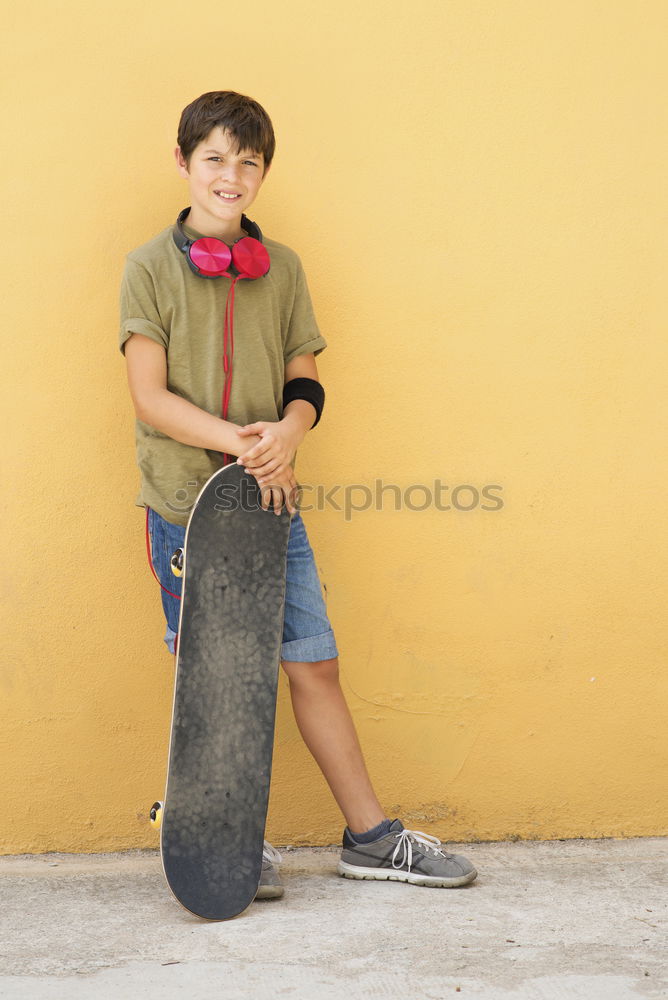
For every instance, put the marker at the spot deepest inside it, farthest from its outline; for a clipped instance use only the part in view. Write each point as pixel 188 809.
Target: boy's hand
pixel 279 488
pixel 274 453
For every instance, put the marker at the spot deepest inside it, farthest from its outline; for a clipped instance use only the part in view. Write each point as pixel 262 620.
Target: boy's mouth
pixel 227 196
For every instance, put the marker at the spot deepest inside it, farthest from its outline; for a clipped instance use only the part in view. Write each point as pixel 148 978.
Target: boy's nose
pixel 229 171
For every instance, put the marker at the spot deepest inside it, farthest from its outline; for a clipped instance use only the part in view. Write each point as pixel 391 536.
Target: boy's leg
pixel 327 727
pixel 310 659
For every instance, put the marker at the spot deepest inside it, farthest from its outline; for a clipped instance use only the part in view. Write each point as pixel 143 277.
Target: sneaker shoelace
pixel 270 854
pixel 405 844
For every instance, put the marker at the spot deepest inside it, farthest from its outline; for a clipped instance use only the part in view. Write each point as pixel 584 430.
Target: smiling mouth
pixel 227 197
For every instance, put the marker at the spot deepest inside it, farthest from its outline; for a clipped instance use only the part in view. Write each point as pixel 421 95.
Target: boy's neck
pixel 227 230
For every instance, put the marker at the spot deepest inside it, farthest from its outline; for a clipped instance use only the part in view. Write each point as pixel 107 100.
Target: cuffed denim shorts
pixel 307 633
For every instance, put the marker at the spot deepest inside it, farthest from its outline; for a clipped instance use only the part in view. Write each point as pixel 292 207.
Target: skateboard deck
pixel 227 662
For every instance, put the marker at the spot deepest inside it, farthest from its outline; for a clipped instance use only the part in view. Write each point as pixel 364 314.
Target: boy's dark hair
pixel 247 122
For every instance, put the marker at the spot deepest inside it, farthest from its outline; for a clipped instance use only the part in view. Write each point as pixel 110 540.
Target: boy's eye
pixel 217 159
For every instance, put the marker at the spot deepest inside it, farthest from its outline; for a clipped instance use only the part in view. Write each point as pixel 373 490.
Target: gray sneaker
pixel 404 856
pixel 270 886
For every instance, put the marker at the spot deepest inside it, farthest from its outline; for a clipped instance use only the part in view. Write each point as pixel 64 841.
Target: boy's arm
pixel 172 414
pixel 300 414
pixel 280 440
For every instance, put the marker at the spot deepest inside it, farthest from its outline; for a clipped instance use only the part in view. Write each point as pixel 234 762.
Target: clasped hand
pixel 270 461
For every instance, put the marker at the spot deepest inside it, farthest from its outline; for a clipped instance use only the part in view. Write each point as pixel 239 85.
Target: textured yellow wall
pixel 477 191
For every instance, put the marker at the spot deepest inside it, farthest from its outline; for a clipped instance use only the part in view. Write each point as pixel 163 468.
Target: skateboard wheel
pixel 176 562
pixel 156 815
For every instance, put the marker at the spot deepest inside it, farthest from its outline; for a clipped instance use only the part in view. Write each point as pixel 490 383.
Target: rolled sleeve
pixel 303 335
pixel 139 311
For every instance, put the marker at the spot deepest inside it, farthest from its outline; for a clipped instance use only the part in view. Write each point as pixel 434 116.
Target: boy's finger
pixel 270 469
pixel 254 452
pixel 255 428
pixel 265 466
pixel 246 455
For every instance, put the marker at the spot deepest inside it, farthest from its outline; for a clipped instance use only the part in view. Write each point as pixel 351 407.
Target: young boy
pixel 177 323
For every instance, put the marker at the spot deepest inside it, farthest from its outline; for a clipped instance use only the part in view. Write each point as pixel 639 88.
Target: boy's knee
pixel 306 673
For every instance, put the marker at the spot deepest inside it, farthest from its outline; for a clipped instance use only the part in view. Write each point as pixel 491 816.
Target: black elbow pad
pixel 305 388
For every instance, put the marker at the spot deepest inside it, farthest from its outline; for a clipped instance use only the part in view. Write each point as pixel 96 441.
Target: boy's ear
pixel 181 164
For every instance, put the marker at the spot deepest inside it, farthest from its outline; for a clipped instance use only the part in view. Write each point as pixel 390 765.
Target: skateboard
pixel 213 817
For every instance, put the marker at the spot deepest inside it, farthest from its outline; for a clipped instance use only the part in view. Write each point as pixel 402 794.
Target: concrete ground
pixel 578 919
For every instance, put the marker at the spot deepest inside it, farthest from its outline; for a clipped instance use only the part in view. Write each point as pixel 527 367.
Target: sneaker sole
pixel 396 875
pixel 269 892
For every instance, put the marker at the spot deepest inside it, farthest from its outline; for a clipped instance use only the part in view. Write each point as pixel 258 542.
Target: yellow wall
pixel 477 192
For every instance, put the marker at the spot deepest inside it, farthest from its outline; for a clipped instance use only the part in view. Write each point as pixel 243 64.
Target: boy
pixel 176 325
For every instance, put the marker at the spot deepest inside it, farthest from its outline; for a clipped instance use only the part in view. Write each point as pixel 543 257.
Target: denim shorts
pixel 307 633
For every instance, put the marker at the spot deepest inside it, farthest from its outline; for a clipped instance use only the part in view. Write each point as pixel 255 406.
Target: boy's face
pixel 223 184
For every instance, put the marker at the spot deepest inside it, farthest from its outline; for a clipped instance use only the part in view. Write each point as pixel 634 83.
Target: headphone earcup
pixel 250 258
pixel 209 256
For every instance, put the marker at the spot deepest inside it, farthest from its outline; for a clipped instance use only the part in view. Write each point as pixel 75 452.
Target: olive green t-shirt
pixel 162 299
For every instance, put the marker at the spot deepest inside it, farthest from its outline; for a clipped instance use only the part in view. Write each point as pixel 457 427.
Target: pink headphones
pixel 210 257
